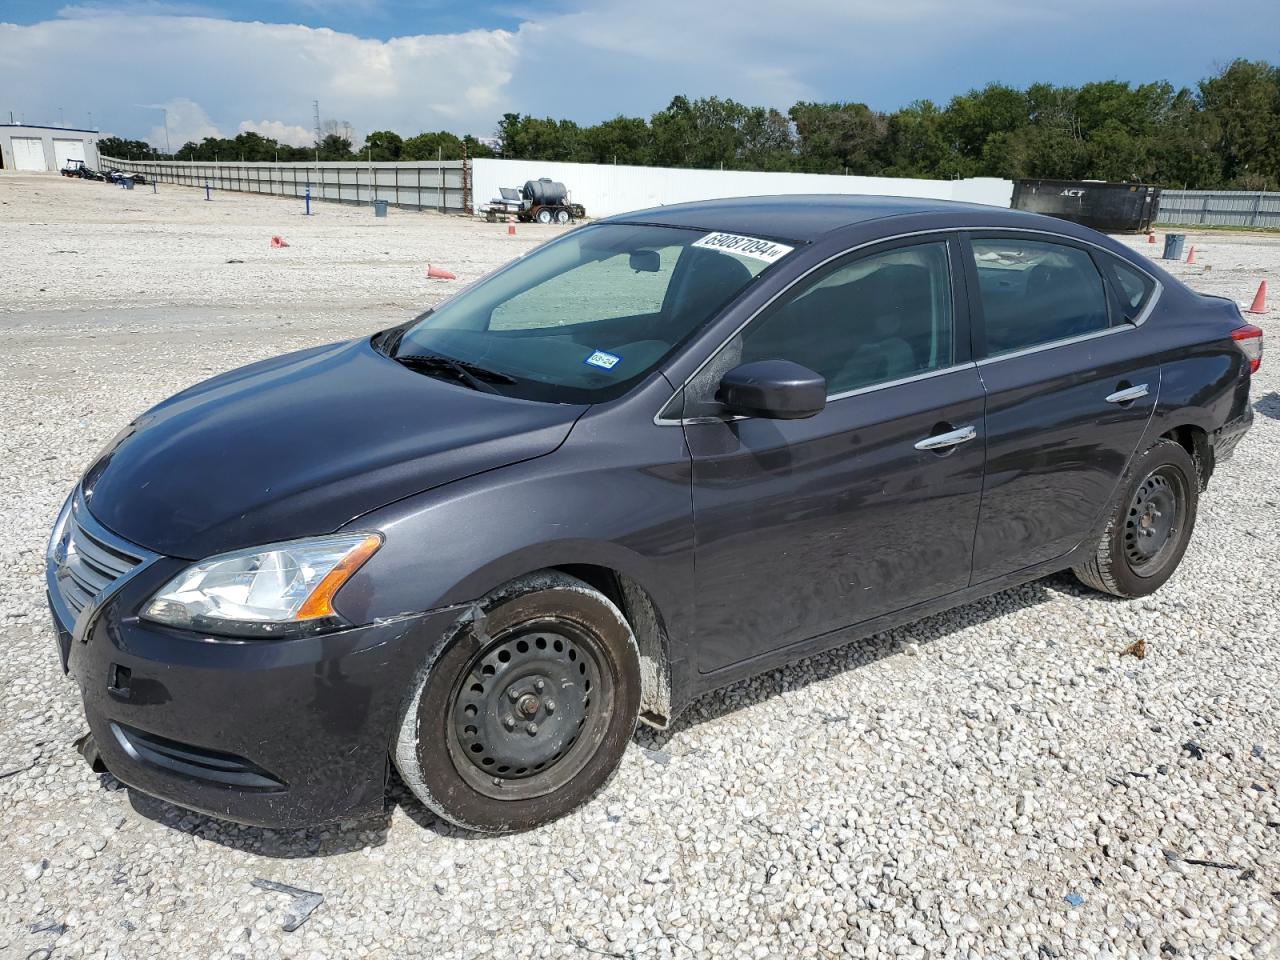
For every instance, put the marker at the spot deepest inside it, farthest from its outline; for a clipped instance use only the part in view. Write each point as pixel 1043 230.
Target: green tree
pixel 1244 101
pixel 383 146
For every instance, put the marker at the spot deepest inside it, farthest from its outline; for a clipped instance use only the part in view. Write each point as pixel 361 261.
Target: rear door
pixel 1070 388
pixel 806 526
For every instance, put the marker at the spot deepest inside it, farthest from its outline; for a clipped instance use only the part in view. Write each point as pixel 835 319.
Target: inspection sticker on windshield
pixel 765 250
pixel 605 361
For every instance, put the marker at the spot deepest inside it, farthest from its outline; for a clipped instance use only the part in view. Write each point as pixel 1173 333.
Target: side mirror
pixel 773 389
pixel 646 261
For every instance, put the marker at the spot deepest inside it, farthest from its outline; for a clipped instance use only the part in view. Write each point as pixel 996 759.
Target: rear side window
pixel 1035 292
pixel 1133 287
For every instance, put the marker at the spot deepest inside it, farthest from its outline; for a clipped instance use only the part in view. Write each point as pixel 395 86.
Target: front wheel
pixel 526 713
pixel 562 216
pixel 544 216
pixel 1150 525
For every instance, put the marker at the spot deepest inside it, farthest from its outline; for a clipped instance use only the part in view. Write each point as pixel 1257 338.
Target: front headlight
pixel 281 589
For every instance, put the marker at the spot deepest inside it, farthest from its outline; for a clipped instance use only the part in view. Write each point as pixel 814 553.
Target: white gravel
pixel 997 781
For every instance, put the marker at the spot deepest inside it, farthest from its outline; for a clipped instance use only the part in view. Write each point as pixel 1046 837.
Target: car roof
pixel 803 218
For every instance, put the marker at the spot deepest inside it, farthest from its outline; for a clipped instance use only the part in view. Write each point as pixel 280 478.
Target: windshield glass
pixel 586 316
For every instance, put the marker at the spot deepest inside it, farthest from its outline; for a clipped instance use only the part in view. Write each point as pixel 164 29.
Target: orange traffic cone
pixel 1151 236
pixel 511 229
pixel 438 273
pixel 278 242
pixel 1191 257
pixel 1259 304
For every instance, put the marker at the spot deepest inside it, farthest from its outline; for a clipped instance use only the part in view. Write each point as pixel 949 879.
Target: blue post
pixel 206 190
pixel 307 201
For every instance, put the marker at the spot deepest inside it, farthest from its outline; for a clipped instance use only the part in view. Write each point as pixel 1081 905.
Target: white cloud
pixel 185 120
pixel 215 73
pixel 290 133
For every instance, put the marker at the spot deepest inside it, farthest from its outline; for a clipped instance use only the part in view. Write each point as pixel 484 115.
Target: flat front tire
pixel 524 714
pixel 1150 524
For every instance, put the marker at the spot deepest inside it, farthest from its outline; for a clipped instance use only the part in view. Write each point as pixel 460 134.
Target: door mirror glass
pixel 646 261
pixel 773 389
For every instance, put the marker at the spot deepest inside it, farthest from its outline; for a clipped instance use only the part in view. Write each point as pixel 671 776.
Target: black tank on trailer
pixel 545 192
pixel 1111 207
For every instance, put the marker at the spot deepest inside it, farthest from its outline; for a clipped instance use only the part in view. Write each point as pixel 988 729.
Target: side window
pixel 1035 292
pixel 877 318
pixel 1133 287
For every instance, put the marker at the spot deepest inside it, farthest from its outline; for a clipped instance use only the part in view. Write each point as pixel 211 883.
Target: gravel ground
pixel 997 781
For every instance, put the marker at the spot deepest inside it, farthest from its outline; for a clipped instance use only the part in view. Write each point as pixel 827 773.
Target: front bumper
pixel 276 733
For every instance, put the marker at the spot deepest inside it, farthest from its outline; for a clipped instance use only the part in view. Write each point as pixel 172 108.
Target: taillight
pixel 1249 339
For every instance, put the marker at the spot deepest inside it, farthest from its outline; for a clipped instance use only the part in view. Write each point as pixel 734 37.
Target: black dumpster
pixel 1111 207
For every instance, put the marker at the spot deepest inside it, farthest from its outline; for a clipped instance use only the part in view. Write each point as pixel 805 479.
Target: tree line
pixel 1219 134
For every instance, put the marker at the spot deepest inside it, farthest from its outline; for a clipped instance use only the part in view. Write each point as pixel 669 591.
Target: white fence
pixel 425 184
pixel 1233 208
pixel 606 189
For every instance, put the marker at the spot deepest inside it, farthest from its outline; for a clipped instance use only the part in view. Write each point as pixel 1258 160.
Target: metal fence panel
pixel 422 185
pixel 1223 208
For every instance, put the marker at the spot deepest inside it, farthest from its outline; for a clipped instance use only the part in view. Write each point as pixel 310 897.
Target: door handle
pixel 1128 395
pixel 943 440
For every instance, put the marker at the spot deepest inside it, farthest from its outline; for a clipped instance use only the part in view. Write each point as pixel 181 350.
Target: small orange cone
pixel 278 242
pixel 1151 236
pixel 438 273
pixel 1259 304
pixel 1191 257
pixel 511 229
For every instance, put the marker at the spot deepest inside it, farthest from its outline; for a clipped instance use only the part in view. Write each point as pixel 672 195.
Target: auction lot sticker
pixel 765 250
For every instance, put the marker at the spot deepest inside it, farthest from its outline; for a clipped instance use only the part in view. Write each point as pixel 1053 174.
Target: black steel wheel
pixel 1149 524
pixel 529 710
pixel 525 713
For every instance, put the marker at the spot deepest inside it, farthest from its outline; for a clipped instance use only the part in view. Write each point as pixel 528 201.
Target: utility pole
pixel 167 148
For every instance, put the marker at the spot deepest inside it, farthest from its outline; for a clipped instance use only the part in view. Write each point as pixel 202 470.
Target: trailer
pixel 543 200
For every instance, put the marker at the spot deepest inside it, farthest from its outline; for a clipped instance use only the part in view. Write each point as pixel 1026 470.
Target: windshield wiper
pixel 474 376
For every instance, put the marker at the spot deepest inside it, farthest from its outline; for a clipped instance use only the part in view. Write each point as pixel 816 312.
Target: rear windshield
pixel 584 317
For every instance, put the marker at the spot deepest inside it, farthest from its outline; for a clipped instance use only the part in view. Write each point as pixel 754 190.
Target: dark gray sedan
pixel 657 455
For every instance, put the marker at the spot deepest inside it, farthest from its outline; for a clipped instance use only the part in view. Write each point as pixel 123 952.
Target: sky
pixel 218 67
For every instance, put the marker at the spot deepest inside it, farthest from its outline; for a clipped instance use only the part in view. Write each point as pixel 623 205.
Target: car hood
pixel 301 444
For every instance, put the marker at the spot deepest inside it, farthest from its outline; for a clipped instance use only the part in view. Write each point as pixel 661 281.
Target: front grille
pixel 198 763
pixel 88 559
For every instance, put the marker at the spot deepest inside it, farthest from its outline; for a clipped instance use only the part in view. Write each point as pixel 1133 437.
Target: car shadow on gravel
pixel 1269 406
pixel 325 840
pixel 859 653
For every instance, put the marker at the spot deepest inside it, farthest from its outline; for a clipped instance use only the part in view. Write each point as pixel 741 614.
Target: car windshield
pixel 583 318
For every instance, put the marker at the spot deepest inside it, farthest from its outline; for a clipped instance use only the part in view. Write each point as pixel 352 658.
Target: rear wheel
pixel 562 216
pixel 1150 525
pixel 544 215
pixel 525 715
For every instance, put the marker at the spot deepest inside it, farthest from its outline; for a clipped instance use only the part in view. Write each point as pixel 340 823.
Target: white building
pixel 24 147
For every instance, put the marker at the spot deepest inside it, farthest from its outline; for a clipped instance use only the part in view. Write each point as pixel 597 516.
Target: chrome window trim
pixel 1125 325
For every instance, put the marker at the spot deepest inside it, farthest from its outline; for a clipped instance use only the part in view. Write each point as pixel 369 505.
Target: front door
pixel 1070 389
pixel 806 526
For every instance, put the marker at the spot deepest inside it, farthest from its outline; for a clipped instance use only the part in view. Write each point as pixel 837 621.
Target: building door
pixel 28 153
pixel 64 150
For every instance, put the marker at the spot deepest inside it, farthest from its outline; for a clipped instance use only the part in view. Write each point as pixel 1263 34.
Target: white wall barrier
pixel 607 189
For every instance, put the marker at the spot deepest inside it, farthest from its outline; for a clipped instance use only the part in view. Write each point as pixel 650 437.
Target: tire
pixel 1151 522
pixel 562 216
pixel 544 215
pixel 524 715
